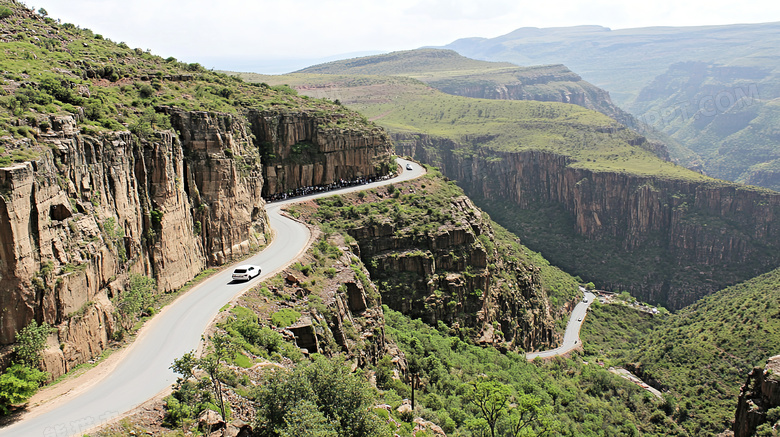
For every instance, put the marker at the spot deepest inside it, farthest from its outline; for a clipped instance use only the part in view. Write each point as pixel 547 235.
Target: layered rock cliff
pixel 95 208
pixel 666 241
pixel 439 259
pixel 760 394
pixel 78 220
pixel 306 149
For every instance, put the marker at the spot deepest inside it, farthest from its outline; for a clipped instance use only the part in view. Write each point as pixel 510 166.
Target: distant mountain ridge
pixel 687 82
pixel 454 74
pixel 624 61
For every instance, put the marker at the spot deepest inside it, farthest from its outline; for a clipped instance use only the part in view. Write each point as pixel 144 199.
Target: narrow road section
pixel 144 371
pixel 571 339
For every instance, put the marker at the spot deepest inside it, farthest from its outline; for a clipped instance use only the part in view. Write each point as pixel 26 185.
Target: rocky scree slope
pixel 340 307
pixel 118 162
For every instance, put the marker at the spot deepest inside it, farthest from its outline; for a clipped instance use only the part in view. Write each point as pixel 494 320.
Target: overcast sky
pixel 274 35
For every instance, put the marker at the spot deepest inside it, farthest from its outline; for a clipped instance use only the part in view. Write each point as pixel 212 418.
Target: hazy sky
pixel 230 34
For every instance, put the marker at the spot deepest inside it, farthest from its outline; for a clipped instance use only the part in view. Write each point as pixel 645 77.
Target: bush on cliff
pixel 322 393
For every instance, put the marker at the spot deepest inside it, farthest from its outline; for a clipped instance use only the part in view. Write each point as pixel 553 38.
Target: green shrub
pixel 17 384
pixel 5 12
pixel 285 317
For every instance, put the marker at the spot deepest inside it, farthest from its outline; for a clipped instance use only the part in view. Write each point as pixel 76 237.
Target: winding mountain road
pixel 143 371
pixel 571 339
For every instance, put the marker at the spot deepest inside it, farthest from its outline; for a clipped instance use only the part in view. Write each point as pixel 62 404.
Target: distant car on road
pixel 579 319
pixel 408 166
pixel 246 272
pixel 585 300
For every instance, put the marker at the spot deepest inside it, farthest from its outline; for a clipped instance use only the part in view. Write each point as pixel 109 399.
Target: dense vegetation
pixel 702 354
pixel 22 379
pixel 584 399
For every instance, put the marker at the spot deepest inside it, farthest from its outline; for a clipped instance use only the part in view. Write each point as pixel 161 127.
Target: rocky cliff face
pixel 456 275
pixel 760 393
pixel 76 222
pixel 675 240
pixel 299 150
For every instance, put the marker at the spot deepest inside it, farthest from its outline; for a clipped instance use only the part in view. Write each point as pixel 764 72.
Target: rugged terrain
pixel 437 257
pixel 451 73
pixel 586 192
pixel 87 200
pixel 711 89
pixel 701 354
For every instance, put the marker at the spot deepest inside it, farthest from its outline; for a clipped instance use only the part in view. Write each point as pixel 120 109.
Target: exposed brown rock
pixel 638 212
pixel 210 421
pixel 426 425
pixel 760 393
pixel 299 152
pixel 92 210
pixel 453 278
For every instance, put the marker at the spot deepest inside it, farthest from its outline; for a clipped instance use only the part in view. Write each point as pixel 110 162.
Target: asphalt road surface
pixel 144 371
pixel 571 339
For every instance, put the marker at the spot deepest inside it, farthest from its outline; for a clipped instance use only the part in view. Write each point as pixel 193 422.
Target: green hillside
pixel 727 115
pixel 52 70
pixel 454 74
pixel 710 89
pixel 399 104
pixel 432 63
pixel 702 353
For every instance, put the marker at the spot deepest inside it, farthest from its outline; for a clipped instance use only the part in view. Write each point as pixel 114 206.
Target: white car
pixel 246 272
pixel 408 166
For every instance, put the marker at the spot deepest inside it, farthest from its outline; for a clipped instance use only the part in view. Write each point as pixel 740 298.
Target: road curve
pixel 144 370
pixel 571 339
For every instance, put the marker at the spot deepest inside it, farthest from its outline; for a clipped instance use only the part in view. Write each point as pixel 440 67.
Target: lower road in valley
pixel 571 339
pixel 144 371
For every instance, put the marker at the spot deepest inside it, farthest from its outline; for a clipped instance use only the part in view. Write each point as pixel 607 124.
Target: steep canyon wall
pixel 666 241
pixel 93 209
pixel 298 152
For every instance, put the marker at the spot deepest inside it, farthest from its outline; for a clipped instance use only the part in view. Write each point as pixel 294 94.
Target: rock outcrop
pixel 299 151
pixel 456 275
pixel 74 223
pixel 760 393
pixel 684 239
pixel 96 208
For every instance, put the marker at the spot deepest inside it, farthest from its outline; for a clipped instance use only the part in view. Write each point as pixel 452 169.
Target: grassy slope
pixel 432 63
pixel 405 105
pixel 445 69
pixel 124 85
pixel 702 353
